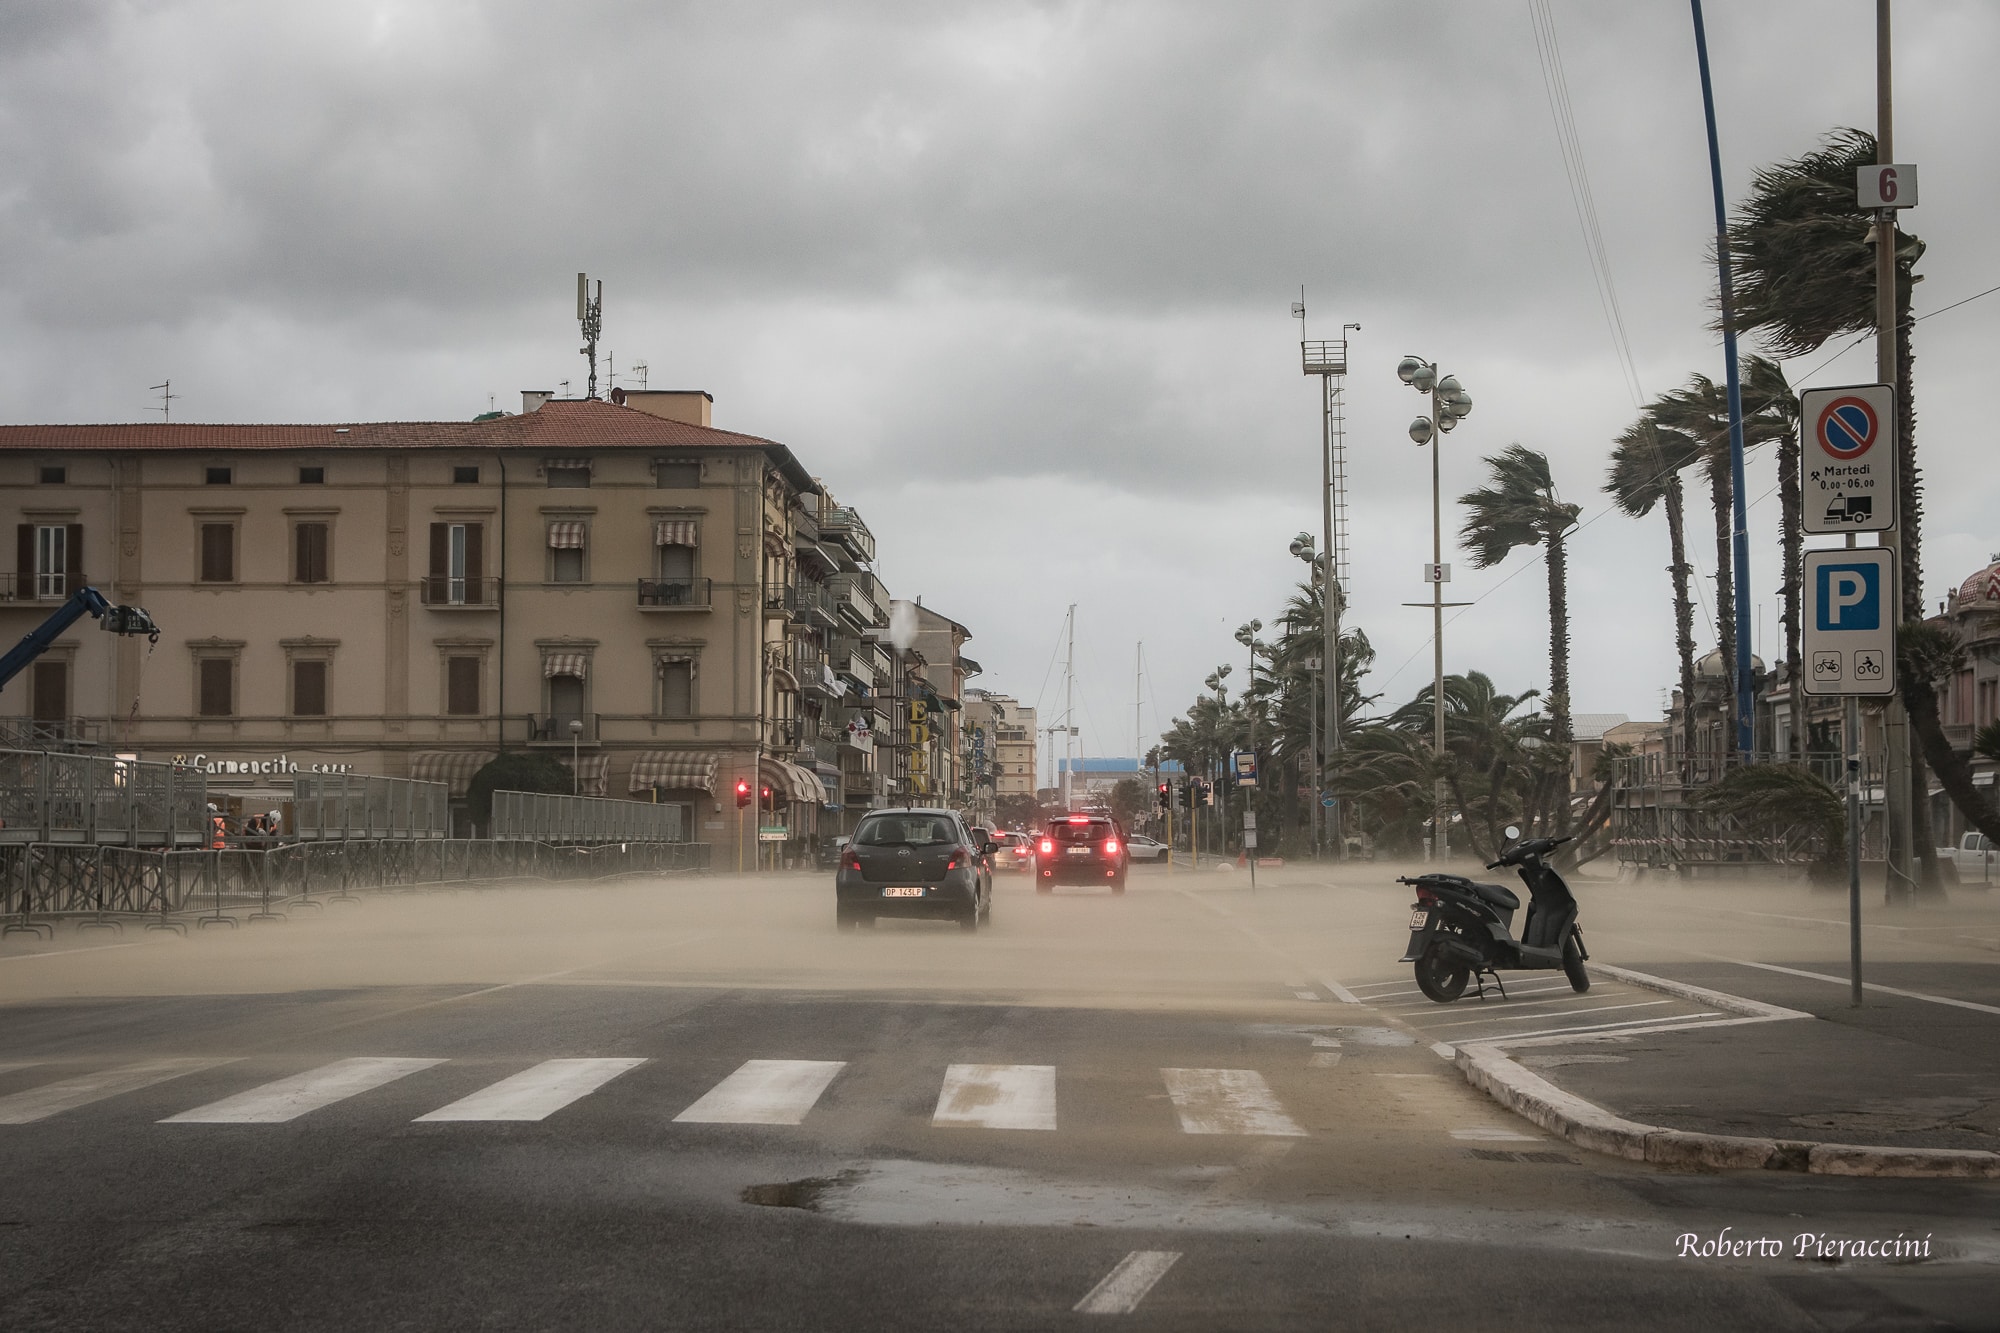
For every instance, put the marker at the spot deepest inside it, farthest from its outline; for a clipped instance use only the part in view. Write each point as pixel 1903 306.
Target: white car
pixel 1141 848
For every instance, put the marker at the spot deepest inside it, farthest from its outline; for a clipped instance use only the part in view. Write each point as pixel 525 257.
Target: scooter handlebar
pixel 1532 847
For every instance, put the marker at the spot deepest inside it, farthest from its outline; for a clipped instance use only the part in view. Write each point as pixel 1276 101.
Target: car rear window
pixel 1095 831
pixel 905 831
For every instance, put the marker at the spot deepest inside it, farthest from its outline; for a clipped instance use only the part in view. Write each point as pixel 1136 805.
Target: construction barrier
pixel 539 817
pixel 340 806
pixel 60 797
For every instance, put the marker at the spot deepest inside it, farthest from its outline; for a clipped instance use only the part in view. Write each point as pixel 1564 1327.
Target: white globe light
pixel 1446 421
pixel 1460 403
pixel 1420 430
pixel 1425 379
pixel 1449 385
pixel 1406 369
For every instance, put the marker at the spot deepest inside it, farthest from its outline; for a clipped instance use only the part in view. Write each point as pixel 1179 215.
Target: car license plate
pixel 1079 851
pixel 899 891
pixel 1418 918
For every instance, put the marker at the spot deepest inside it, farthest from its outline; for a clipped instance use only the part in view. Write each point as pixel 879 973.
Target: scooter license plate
pixel 1419 918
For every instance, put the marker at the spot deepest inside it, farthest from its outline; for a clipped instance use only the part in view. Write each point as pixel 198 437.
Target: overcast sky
pixel 1013 278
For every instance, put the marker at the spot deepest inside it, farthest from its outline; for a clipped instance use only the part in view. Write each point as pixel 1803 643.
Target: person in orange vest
pixel 218 828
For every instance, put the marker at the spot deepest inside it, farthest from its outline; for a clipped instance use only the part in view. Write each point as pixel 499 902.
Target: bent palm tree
pixel 1520 508
pixel 1925 655
pixel 1768 396
pixel 1646 465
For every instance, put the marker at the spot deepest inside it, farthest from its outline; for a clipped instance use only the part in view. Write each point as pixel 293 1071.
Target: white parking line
pixel 1868 985
pixel 1126 1285
pixel 1227 1101
pixel 290 1098
pixel 997 1097
pixel 1492 1134
pixel 1536 1018
pixel 24 1108
pixel 535 1094
pixel 1631 1028
pixel 764 1092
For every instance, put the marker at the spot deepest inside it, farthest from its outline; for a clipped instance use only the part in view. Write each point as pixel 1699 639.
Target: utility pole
pixel 1069 702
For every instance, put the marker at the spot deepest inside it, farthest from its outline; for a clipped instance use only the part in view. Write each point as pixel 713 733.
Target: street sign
pixel 1329 801
pixel 1437 573
pixel 1245 768
pixel 1249 819
pixel 1849 644
pixel 1847 461
pixel 1886 185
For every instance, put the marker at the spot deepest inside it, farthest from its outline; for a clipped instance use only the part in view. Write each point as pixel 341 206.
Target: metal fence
pixel 342 806
pixel 108 886
pixel 58 797
pixel 540 817
pixel 1659 822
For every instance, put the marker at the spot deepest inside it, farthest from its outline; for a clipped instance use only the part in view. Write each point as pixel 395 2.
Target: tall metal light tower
pixel 1328 360
pixel 590 314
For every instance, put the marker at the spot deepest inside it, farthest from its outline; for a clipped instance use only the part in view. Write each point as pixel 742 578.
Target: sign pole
pixel 1853 729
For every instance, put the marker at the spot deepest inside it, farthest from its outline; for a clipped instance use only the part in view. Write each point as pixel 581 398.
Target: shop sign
pixel 282 766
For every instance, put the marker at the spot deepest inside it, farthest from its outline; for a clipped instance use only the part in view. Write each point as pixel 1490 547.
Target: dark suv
pixel 913 863
pixel 1080 849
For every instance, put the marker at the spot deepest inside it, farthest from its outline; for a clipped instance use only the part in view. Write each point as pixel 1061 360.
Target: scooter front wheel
pixel 1440 978
pixel 1579 980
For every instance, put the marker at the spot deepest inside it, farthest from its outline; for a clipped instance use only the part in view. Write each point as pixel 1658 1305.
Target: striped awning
pixel 565 664
pixel 798 784
pixel 674 532
pixel 566 536
pixel 454 768
pixel 675 768
pixel 592 770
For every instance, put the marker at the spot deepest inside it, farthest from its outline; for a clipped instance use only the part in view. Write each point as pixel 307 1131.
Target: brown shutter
pixel 24 561
pixel 440 550
pixel 216 679
pixel 309 689
pixel 73 555
pixel 302 553
pixel 475 560
pixel 461 685
pixel 312 553
pixel 51 691
pixel 218 564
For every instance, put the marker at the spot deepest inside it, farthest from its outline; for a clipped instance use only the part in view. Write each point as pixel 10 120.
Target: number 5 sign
pixel 1886 186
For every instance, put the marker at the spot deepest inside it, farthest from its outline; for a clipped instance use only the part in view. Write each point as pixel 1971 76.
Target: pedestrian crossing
pixel 768 1092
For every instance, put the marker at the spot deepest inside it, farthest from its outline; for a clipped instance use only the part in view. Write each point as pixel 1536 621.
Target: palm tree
pixel 1768 396
pixel 1925 655
pixel 1646 466
pixel 1520 508
pixel 1498 761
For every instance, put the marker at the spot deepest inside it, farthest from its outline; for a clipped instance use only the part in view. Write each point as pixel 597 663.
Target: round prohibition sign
pixel 1847 427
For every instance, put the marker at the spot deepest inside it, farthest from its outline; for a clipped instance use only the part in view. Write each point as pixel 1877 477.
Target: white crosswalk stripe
pixel 765 1092
pixel 24 1108
pixel 290 1098
pixel 1227 1101
pixel 997 1097
pixel 535 1094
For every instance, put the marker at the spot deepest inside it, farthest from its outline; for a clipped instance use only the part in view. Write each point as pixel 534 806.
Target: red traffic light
pixel 742 793
pixel 764 794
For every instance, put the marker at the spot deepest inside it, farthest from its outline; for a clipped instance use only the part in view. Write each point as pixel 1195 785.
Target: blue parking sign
pixel 1849 596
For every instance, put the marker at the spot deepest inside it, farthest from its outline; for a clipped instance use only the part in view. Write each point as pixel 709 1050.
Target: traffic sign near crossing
pixel 1847 461
pixel 1849 644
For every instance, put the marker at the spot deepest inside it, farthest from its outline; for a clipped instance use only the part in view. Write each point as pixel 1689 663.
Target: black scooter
pixel 1460 930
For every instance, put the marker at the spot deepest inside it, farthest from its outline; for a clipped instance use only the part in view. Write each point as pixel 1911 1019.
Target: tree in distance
pixel 517 770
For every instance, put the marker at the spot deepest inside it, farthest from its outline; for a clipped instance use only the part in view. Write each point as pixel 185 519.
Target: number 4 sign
pixel 1886 185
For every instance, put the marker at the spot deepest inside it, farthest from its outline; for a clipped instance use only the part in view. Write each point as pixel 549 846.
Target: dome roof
pixel 1710 667
pixel 1982 589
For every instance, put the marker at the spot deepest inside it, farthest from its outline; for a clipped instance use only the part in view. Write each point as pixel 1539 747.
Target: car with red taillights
pixel 915 862
pixel 1080 849
pixel 1017 851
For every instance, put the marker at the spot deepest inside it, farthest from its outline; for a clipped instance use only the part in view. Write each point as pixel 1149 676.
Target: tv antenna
pixel 640 368
pixel 165 389
pixel 590 314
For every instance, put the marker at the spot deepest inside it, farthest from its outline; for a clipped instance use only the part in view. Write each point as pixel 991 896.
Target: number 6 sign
pixel 1886 185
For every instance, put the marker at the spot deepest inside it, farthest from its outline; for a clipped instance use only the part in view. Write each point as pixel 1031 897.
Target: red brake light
pixel 1079 819
pixel 951 864
pixel 1048 847
pixel 1111 846
pixel 854 863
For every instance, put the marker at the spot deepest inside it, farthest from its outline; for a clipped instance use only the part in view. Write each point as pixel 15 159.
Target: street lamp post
pixel 1450 404
pixel 1247 636
pixel 575 772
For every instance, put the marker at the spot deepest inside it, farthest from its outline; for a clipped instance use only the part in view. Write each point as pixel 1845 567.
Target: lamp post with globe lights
pixel 1450 404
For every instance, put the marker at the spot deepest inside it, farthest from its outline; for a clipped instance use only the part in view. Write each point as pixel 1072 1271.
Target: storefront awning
pixel 454 768
pixel 796 783
pixel 678 769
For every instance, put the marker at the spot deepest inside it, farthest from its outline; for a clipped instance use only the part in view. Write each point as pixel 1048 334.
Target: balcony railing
pixel 42 733
pixel 32 587
pixel 809 604
pixel 446 592
pixel 855 593
pixel 845 526
pixel 554 729
pixel 673 594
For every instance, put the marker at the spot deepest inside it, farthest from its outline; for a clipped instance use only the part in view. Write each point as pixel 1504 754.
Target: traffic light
pixel 742 793
pixel 764 799
pixel 1165 803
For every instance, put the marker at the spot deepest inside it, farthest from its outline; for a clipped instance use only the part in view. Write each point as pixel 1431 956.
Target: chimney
pixel 532 399
pixel 689 405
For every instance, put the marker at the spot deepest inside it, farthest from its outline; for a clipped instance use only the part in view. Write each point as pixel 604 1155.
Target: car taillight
pixel 854 863
pixel 1079 819
pixel 1111 846
pixel 1048 847
pixel 951 864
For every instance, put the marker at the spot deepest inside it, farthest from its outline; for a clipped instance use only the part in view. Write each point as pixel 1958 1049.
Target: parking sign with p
pixel 1849 644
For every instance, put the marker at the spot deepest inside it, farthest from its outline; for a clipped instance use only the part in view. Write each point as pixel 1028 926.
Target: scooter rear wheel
pixel 1579 980
pixel 1440 978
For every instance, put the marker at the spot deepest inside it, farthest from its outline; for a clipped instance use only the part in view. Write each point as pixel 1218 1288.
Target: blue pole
pixel 1745 681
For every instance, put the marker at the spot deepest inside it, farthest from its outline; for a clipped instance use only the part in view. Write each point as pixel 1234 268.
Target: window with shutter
pixel 309 689
pixel 218 687
pixel 677 689
pixel 461 686
pixel 218 553
pixel 310 561
pixel 51 687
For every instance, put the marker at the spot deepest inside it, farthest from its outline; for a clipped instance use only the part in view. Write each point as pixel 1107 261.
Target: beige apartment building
pixel 1000 728
pixel 671 607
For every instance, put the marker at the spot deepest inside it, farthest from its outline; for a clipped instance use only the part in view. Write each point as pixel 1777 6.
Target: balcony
pixel 442 592
pixel 777 600
pixel 552 730
pixel 805 527
pixel 855 595
pixel 845 526
pixel 39 587
pixel 810 604
pixel 673 594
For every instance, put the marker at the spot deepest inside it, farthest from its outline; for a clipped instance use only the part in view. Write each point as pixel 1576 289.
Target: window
pixel 312 476
pixel 218 553
pixel 565 703
pixel 677 474
pixel 308 688
pixel 49 559
pixel 458 565
pixel 51 688
pixel 570 476
pixel 54 476
pixel 465 476
pixel 677 563
pixel 566 550
pixel 217 681
pixel 309 555
pixel 461 686
pixel 219 476
pixel 677 688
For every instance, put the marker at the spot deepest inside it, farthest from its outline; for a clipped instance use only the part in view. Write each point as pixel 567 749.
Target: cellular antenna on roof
pixel 165 389
pixel 590 314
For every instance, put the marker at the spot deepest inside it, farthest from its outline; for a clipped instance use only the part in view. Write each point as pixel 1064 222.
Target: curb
pixel 1589 1125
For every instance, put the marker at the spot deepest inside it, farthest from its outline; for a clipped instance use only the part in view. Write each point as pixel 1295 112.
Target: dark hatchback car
pixel 1080 849
pixel 918 863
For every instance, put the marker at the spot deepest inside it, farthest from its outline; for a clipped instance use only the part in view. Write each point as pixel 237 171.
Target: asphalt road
pixel 691 1104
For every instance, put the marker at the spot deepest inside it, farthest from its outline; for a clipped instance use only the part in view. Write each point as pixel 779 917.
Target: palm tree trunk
pixel 1910 518
pixel 1791 543
pixel 1560 731
pixel 1720 494
pixel 1683 618
pixel 1954 774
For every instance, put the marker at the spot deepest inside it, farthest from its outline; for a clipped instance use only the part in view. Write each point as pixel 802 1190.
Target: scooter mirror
pixel 1512 831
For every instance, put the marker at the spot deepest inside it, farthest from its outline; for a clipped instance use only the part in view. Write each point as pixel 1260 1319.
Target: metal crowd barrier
pixel 341 806
pixel 100 800
pixel 539 817
pixel 107 886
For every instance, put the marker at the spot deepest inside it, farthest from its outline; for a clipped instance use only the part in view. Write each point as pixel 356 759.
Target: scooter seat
pixel 1499 895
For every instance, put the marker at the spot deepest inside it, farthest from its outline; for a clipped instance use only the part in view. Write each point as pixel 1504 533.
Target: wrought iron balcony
pixel 444 592
pixel 673 594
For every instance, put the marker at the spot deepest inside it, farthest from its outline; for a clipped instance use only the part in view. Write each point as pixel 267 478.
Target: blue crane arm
pixel 82 602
